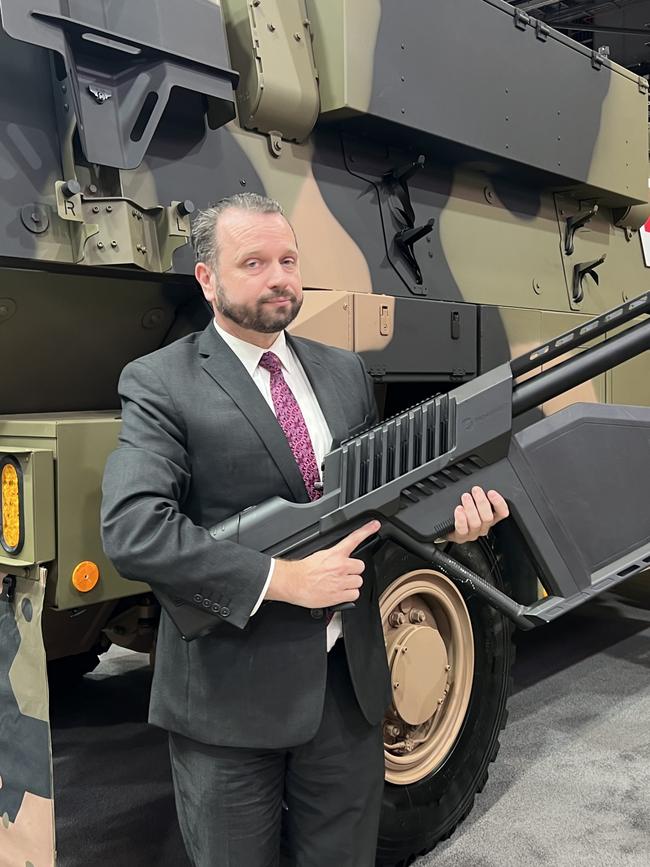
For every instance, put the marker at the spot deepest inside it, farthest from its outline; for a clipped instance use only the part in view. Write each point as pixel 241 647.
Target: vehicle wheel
pixel 450 656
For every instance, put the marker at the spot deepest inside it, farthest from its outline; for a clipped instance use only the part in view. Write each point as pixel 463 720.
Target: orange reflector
pixel 11 495
pixel 85 576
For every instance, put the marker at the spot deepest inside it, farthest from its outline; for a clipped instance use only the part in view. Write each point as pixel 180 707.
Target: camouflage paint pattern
pixel 380 118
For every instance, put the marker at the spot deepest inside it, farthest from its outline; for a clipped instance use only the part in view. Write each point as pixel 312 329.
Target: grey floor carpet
pixel 571 784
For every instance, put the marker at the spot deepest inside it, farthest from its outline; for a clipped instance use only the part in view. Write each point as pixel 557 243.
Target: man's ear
pixel 204 275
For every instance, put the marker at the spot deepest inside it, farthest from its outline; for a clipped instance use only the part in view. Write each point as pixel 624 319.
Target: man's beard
pixel 261 317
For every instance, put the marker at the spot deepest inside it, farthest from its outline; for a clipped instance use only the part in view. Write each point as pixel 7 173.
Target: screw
pixel 134 213
pixel 297 37
pixel 113 244
pixel 396 684
pixel 447 667
pixel 144 249
pixel 242 182
pixel 95 209
pixel 35 218
pixel 92 188
pixel 404 649
pixel 64 89
pixel 277 145
pixel 100 245
pixel 66 107
pixel 271 27
pixel 256 2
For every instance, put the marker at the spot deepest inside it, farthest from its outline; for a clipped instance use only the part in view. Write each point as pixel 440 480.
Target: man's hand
pixel 477 514
pixel 325 578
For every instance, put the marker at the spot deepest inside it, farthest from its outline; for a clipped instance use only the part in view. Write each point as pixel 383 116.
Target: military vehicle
pixel 457 202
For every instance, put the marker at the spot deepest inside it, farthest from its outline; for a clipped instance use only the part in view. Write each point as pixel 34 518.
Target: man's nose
pixel 276 276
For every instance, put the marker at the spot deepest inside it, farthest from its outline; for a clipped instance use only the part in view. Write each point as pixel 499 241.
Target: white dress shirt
pixel 319 432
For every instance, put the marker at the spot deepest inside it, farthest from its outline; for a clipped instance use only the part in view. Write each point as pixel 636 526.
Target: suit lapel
pixel 324 387
pixel 223 366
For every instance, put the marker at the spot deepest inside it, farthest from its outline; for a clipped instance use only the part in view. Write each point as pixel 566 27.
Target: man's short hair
pixel 204 222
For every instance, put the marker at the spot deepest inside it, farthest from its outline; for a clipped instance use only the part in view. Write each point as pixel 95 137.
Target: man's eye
pixel 252 263
pixel 289 261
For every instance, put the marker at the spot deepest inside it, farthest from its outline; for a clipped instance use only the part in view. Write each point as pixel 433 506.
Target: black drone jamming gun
pixel 576 481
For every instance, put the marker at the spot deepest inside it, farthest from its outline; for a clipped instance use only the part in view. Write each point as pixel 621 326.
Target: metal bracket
pixel 124 232
pixel 396 181
pixel 580 271
pixel 575 223
pixel 644 86
pixel 119 76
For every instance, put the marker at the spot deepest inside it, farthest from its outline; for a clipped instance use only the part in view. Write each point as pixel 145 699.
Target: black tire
pixel 416 817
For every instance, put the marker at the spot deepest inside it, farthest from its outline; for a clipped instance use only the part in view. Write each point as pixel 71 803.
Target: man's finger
pixel 355 567
pixel 460 521
pixel 483 505
pixel 471 512
pixel 499 505
pixel 347 545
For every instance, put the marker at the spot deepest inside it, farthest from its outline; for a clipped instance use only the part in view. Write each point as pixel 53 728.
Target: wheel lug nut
pixel 417 616
pixel 396 619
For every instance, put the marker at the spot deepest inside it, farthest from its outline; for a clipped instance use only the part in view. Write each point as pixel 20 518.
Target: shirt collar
pixel 250 355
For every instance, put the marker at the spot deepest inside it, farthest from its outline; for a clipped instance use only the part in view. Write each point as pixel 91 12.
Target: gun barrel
pixel 574 371
pixel 579 336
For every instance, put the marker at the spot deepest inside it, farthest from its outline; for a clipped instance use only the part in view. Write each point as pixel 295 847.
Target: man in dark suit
pixel 281 701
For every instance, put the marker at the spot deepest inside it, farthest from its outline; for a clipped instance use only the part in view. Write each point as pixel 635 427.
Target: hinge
pixel 521 19
pixel 542 30
pixel 643 85
pixel 377 372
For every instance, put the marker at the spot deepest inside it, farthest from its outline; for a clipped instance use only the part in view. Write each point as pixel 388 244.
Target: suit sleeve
pixel 144 532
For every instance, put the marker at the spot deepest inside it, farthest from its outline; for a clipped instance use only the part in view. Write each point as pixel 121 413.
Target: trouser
pixel 229 800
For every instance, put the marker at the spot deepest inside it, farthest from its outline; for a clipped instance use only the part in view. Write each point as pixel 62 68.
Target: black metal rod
pixel 574 371
pixel 581 334
pixel 459 574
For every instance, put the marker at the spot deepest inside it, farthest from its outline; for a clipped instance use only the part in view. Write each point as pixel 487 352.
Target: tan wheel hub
pixel 430 649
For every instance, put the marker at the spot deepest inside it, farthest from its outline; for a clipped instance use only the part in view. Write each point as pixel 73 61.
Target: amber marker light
pixel 85 576
pixel 11 497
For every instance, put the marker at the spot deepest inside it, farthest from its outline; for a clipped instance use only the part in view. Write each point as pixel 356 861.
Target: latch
pixel 582 270
pixel 455 325
pixel 575 223
pixel 542 30
pixel 597 59
pixel 384 320
pixel 521 19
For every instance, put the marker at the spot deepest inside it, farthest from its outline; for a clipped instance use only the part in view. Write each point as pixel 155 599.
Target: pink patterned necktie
pixel 293 424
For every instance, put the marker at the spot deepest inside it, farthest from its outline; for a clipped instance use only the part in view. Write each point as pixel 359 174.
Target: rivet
pixel 66 107
pixel 396 684
pixel 447 667
pixel 100 245
pixel 95 209
pixel 113 244
pixel 404 649
pixel 109 208
pixel 64 89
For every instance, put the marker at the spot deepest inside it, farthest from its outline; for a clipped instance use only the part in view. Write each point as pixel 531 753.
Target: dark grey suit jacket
pixel 198 444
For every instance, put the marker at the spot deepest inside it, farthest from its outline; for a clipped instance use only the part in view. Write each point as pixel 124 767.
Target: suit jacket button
pixel 216 608
pixel 198 598
pixel 207 603
pixel 317 613
pixel 225 611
